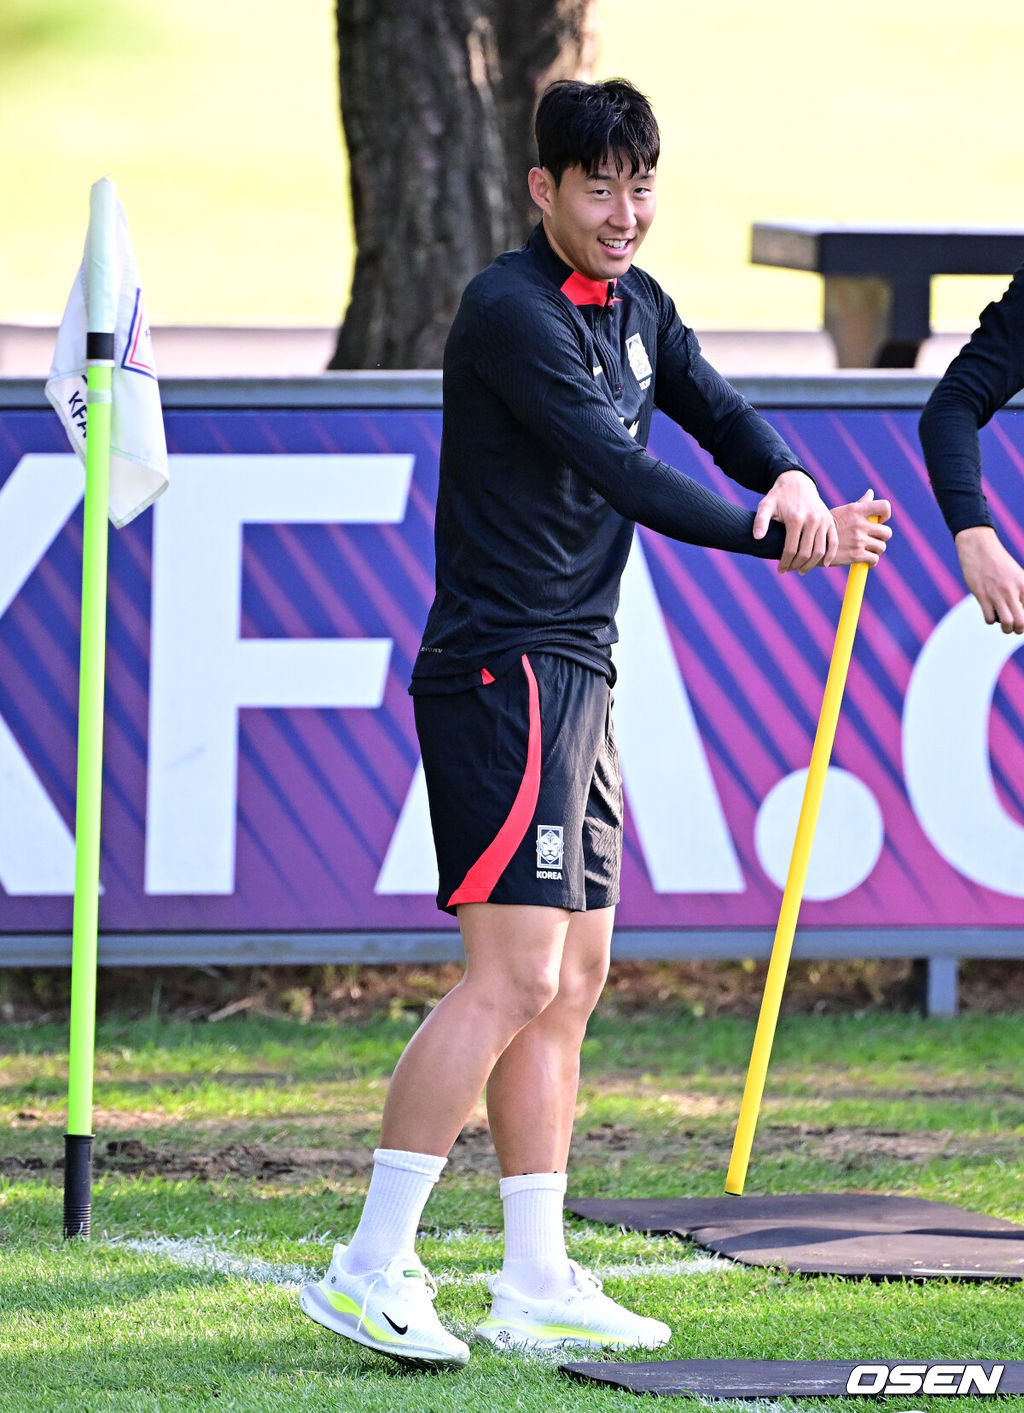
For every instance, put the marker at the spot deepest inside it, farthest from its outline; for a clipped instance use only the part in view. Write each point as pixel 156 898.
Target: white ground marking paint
pixel 694 1266
pixel 203 1253
pixel 200 1252
pixel 691 1266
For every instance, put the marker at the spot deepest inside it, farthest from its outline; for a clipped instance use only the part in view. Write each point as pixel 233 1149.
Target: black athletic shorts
pixel 524 787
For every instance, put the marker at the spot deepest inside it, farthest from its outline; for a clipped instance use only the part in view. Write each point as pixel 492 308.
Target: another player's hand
pixel 861 540
pixel 811 536
pixel 993 576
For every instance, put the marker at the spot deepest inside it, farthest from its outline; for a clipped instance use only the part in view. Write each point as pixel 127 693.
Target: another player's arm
pixel 987 372
pixel 993 576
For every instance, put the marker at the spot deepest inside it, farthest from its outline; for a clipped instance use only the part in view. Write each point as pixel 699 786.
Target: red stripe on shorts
pixel 478 883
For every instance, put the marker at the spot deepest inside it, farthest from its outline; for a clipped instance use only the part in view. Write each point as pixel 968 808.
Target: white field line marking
pixel 202 1252
pixel 691 1266
pixel 694 1266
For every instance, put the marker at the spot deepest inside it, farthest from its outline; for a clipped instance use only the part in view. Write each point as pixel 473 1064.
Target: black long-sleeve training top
pixel 550 384
pixel 985 374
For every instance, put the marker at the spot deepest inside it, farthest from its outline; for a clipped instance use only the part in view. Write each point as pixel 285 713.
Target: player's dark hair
pixel 585 124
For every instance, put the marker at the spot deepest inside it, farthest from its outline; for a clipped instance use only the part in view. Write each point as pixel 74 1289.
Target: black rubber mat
pixel 829 1233
pixel 804 1378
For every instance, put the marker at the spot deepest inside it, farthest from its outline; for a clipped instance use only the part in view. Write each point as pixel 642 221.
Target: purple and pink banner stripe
pixel 324 815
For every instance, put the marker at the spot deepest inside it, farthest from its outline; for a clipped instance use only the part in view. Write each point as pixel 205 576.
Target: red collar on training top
pixel 581 290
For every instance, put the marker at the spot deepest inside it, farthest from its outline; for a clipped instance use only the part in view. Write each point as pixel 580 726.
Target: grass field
pixel 220 124
pixel 231 1155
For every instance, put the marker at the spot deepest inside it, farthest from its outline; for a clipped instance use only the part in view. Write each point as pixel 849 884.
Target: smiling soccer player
pixel 557 358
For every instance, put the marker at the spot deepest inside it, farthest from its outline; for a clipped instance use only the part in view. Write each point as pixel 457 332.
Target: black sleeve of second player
pixel 985 374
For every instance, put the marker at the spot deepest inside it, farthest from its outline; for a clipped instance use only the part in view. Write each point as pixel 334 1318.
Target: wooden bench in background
pixel 878 279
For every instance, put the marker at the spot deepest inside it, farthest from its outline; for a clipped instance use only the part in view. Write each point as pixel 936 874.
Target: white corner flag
pixel 138 449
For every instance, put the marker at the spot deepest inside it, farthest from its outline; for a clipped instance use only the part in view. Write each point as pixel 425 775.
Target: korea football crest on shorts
pixel 549 851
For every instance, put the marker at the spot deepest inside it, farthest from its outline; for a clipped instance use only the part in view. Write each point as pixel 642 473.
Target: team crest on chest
pixel 638 360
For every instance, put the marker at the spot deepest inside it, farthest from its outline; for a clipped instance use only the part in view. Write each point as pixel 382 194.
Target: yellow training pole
pixel 793 893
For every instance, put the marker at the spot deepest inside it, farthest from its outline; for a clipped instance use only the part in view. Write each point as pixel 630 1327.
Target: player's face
pixel 596 220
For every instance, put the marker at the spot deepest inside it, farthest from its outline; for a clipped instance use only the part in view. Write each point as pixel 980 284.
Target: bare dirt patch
pixel 251 1162
pixel 843 1149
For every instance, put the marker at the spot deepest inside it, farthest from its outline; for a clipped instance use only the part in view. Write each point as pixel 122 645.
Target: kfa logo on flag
pixel 138 349
pixel 138 449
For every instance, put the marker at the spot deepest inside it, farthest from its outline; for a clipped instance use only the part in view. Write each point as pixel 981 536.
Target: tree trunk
pixel 437 102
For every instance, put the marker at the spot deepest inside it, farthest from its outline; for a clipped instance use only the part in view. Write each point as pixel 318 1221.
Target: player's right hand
pixel 993 576
pixel 863 533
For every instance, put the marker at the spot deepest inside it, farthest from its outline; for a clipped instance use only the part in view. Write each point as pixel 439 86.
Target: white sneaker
pixel 390 1310
pixel 583 1316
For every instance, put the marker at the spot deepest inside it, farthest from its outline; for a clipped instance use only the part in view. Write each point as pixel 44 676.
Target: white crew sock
pixel 399 1187
pixel 536 1262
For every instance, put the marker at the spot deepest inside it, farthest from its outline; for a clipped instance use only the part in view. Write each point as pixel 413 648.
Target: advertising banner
pixel 261 767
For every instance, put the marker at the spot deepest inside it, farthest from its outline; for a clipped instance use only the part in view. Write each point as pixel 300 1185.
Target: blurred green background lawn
pixel 219 122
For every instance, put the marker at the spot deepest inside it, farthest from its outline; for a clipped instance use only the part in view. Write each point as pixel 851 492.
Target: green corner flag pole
pixel 792 896
pixel 101 313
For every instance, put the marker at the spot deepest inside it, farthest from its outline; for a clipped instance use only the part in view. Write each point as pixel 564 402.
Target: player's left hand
pixel 811 535
pixel 863 533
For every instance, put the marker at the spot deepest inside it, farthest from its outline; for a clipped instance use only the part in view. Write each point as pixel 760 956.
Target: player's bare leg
pixel 514 957
pixel 531 1094
pixel 376 1291
pixel 542 1299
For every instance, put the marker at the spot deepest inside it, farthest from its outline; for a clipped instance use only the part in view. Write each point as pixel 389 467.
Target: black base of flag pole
pixel 77 1184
